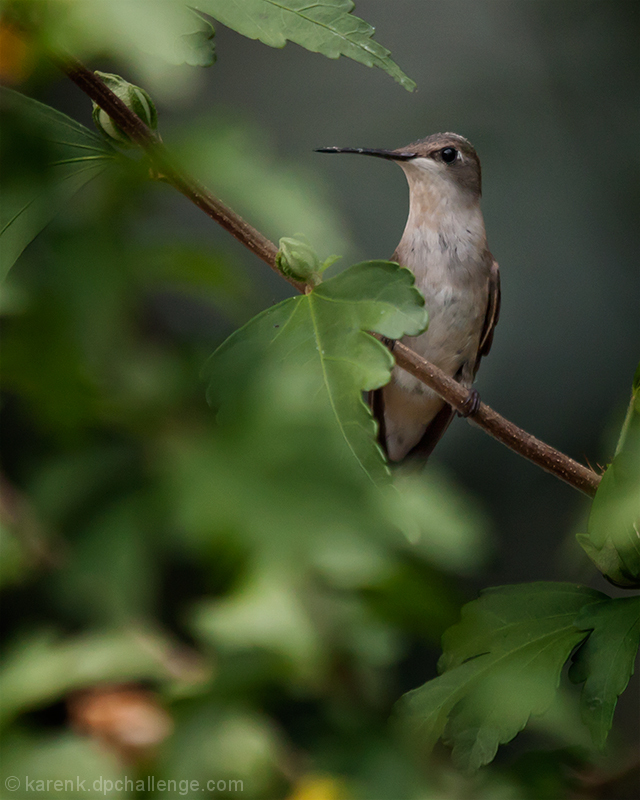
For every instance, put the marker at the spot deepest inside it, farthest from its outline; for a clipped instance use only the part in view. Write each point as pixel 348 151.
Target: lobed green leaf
pixel 326 27
pixel 325 332
pixel 501 664
pixel 605 662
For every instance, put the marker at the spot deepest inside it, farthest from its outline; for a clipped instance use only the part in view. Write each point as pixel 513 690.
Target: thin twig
pixel 545 456
pixel 518 440
pixel 139 133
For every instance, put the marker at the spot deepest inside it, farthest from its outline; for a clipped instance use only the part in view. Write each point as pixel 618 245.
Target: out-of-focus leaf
pixel 111 579
pixel 297 619
pixel 224 743
pixel 42 364
pixel 69 487
pixel 201 274
pixel 427 508
pixel 307 529
pixel 61 756
pixel 278 198
pixel 542 774
pixel 268 612
pixel 613 538
pixel 44 667
pixel 417 599
pixel 68 156
pixel 325 331
pixel 199 47
pixel 501 664
pixel 605 662
pixel 283 455
pixel 154 37
pixel 14 562
pixel 326 27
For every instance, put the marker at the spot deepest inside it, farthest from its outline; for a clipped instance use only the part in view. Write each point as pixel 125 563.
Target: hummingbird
pixel 444 244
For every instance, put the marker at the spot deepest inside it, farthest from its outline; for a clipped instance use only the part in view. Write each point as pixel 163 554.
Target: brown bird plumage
pixel 444 244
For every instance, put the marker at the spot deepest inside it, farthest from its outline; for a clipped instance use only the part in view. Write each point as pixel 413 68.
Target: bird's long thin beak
pixel 392 155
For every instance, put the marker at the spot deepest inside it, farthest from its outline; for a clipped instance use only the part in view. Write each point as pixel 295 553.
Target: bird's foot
pixel 388 343
pixel 470 405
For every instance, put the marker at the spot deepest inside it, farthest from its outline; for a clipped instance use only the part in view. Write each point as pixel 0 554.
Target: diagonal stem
pixel 518 440
pixel 139 133
pixel 545 456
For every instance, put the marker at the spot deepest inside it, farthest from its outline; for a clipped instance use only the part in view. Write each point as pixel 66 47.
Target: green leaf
pixel 44 755
pixel 325 332
pixel 152 38
pixel 199 47
pixel 326 27
pixel 276 195
pixel 111 578
pixel 303 525
pixel 427 507
pixel 14 559
pixel 613 538
pixel 44 667
pixel 307 534
pixel 501 664
pixel 630 425
pixel 605 662
pixel 47 157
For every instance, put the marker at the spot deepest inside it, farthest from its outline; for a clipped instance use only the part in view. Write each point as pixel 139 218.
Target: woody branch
pixel 551 460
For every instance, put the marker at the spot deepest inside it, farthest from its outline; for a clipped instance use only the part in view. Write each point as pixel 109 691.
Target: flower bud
pixel 296 259
pixel 136 100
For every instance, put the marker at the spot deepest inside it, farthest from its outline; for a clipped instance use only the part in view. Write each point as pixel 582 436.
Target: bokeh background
pixel 547 92
pixel 114 548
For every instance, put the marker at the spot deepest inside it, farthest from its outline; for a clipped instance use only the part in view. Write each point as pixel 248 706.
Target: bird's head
pixel 443 162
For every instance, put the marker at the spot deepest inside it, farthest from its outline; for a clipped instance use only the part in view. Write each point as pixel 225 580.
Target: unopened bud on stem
pixel 136 100
pixel 297 259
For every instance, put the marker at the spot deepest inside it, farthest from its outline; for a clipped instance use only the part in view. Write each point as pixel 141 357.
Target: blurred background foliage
pixel 233 603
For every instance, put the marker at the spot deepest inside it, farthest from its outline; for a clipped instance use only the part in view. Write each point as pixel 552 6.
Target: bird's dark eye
pixel 449 155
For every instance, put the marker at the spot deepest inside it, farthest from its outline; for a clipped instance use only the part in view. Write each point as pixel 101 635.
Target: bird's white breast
pixel 445 247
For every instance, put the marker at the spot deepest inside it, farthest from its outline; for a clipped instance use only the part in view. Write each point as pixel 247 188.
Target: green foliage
pixel 605 661
pixel 328 27
pixel 230 154
pixel 325 331
pixel 50 757
pixel 155 36
pixel 199 47
pixel 46 158
pixel 274 483
pixel 46 666
pixel 249 571
pixel 501 664
pixel 261 571
pixel 613 540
